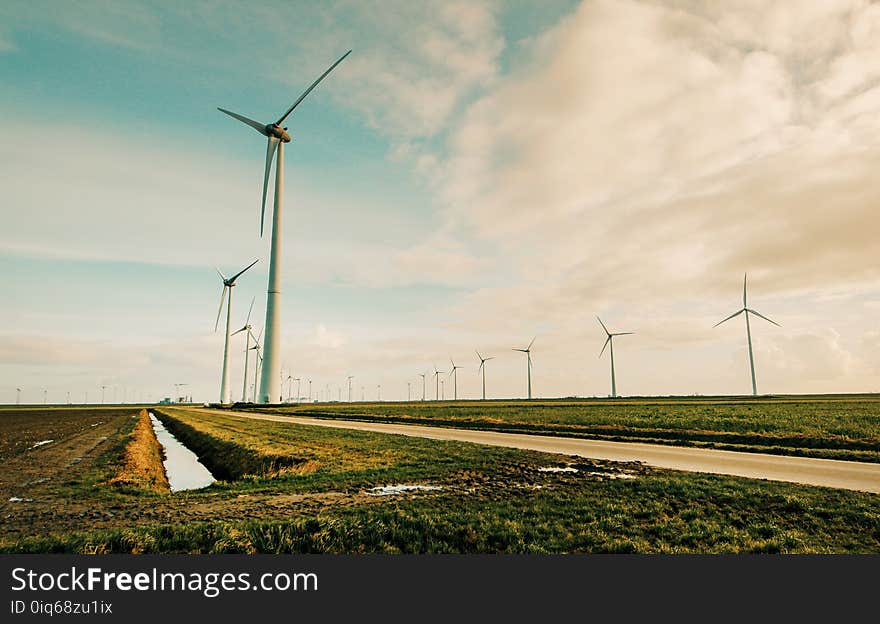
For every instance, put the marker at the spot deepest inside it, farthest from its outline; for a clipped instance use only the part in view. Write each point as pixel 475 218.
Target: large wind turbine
pixel 226 295
pixel 482 369
pixel 748 311
pixel 610 341
pixel 454 376
pixel 247 349
pixel 277 137
pixel 528 352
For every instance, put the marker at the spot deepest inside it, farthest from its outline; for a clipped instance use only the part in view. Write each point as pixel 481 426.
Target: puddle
pixel 182 466
pixel 41 443
pixel 16 499
pixel 388 490
pixel 613 475
pixel 558 469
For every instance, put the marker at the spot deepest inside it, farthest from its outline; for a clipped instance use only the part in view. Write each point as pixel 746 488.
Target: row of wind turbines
pixel 452 373
pixel 609 344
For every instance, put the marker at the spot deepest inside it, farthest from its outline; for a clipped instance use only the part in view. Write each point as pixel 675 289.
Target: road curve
pixel 848 475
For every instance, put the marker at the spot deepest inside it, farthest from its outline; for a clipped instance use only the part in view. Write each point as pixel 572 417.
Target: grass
pixel 833 427
pixel 659 514
pixel 492 500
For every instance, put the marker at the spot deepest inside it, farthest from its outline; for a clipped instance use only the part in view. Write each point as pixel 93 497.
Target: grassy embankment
pixel 831 427
pixel 141 463
pixel 492 500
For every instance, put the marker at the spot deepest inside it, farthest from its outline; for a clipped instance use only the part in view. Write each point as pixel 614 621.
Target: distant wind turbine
pixel 350 377
pixel 18 396
pixel 437 374
pixel 226 296
pixel 247 349
pixel 454 376
pixel 423 375
pixel 748 311
pixel 258 360
pixel 528 352
pixel 610 341
pixel 277 136
pixel 482 370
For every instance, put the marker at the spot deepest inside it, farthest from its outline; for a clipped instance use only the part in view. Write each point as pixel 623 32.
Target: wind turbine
pixel 423 375
pixel 748 311
pixel 454 376
pixel 226 294
pixel 482 369
pixel 350 377
pixel 277 136
pixel 18 396
pixel 528 352
pixel 247 349
pixel 610 340
pixel 437 383
pixel 409 391
pixel 257 360
pixel 289 386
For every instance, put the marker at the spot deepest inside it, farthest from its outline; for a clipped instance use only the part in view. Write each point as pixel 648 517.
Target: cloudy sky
pixel 473 175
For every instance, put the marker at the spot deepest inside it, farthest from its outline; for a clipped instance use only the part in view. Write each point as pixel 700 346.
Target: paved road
pixel 825 472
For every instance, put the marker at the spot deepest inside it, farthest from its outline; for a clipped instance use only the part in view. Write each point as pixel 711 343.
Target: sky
pixel 473 175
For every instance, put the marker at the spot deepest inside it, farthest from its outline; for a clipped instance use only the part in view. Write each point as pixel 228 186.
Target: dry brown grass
pixel 142 464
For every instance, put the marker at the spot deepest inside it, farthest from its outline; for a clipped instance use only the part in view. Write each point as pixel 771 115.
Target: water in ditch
pixel 182 466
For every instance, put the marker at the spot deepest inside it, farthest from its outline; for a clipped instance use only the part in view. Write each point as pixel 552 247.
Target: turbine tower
pixel 482 369
pixel 350 377
pixel 528 352
pixel 277 136
pixel 610 341
pixel 454 376
pixel 423 375
pixel 247 349
pixel 226 294
pixel 747 310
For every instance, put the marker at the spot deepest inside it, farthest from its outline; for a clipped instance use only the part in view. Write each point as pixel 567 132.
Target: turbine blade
pixel 531 343
pixel 623 334
pixel 256 125
pixel 251 309
pixel 745 277
pixel 491 358
pixel 220 273
pixel 603 325
pixel 764 317
pixel 236 276
pixel 607 340
pixel 271 147
pixel 478 355
pixel 220 309
pixel 729 317
pixel 239 331
pixel 482 362
pixel 309 90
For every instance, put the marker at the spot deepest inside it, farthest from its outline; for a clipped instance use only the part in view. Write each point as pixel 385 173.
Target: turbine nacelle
pixel 276 131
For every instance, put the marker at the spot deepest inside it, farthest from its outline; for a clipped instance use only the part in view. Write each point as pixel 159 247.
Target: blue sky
pixel 475 174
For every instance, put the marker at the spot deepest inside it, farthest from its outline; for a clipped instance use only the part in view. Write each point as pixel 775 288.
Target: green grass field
pixel 491 500
pixel 833 427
